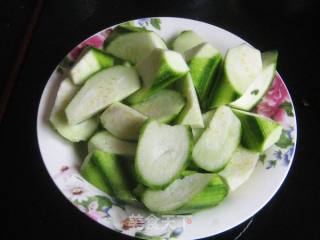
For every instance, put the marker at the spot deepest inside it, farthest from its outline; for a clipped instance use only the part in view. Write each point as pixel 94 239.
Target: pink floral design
pixel 95 41
pixel 270 106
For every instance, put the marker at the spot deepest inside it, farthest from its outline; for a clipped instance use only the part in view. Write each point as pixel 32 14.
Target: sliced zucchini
pixel 177 194
pixel 260 85
pixel 110 167
pixel 214 193
pixel 104 141
pixel 74 133
pixel 135 46
pixel 163 106
pixel 160 69
pixel 196 132
pixel 89 62
pixel 122 121
pixel 191 113
pixel 186 40
pixel 258 132
pixel 103 88
pixel 93 175
pixel 163 152
pixel 240 167
pixel 242 65
pixel 217 143
pixel 203 61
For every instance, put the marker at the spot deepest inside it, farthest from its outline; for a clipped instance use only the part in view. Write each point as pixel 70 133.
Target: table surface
pixel 36 36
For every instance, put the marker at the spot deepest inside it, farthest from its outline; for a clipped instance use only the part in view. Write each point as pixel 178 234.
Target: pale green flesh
pixel 260 85
pixel 186 40
pixel 196 132
pixel 93 175
pixel 240 167
pixel 162 153
pixel 258 132
pixel 191 113
pixel 217 143
pixel 104 141
pixel 176 194
pixel 135 46
pixel 74 133
pixel 163 106
pixel 122 121
pixel 102 89
pixel 89 62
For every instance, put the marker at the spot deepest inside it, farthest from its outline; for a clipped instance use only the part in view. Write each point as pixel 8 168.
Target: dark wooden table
pixel 35 36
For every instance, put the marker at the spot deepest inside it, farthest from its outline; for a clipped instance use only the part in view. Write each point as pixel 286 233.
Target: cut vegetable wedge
pixel 196 132
pixel 111 169
pixel 217 143
pixel 163 106
pixel 163 152
pixel 135 46
pixel 214 193
pixel 89 62
pixel 240 167
pixel 74 133
pixel 242 65
pixel 186 40
pixel 93 175
pixel 104 141
pixel 177 194
pixel 160 69
pixel 191 113
pixel 203 61
pixel 260 85
pixel 122 121
pixel 102 89
pixel 258 132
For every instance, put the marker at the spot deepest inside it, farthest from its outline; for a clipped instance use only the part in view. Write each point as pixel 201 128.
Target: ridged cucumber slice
pixel 203 61
pixel 104 141
pixel 177 194
pixel 217 143
pixel 191 113
pixel 163 152
pixel 258 132
pixel 214 193
pixel 163 106
pixel 122 121
pixel 74 133
pixel 240 167
pixel 196 132
pixel 186 40
pixel 242 64
pixel 93 175
pixel 160 69
pixel 260 85
pixel 103 88
pixel 135 46
pixel 110 167
pixel 89 62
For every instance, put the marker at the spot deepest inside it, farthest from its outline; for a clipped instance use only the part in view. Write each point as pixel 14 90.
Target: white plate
pixel 62 159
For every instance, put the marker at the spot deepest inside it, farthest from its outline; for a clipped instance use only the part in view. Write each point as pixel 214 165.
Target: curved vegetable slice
pixel 196 132
pixel 240 167
pixel 186 40
pixel 74 133
pixel 258 132
pixel 191 113
pixel 135 46
pixel 163 152
pixel 217 143
pixel 89 62
pixel 260 85
pixel 122 121
pixel 177 194
pixel 242 64
pixel 106 142
pixel 105 87
pixel 163 106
